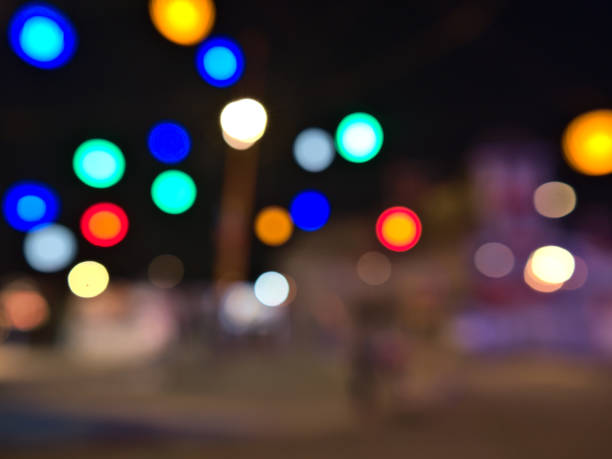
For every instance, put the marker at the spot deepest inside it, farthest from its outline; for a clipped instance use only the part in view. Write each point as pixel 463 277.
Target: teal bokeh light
pixel 173 191
pixel 359 137
pixel 98 163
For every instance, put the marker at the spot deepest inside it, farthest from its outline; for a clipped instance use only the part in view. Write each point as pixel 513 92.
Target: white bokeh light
pixel 244 120
pixel 313 149
pixel 50 248
pixel 272 288
pixel 552 264
pixel 359 139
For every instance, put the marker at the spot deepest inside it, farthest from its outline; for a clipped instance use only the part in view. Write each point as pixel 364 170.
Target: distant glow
pixel 244 120
pixel 25 309
pixel 310 210
pixel 374 268
pixel 173 191
pixel 273 226
pixel 554 199
pixel 587 143
pixel 494 259
pixel 552 264
pixel 104 224
pixel 166 271
pixel 98 163
pixel 88 279
pixel 184 22
pixel 580 276
pixel 29 204
pixel 50 248
pixel 169 142
pixel 359 137
pixel 241 312
pixel 42 36
pixel 313 149
pixel 537 284
pixel 220 61
pixel 272 288
pixel 398 229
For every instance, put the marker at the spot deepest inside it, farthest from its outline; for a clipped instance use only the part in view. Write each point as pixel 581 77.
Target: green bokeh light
pixel 359 137
pixel 98 163
pixel 173 191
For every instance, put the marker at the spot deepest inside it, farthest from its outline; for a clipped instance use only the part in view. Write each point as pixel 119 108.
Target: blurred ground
pixel 293 404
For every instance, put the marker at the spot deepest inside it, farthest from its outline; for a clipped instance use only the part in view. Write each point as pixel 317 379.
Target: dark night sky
pixel 437 74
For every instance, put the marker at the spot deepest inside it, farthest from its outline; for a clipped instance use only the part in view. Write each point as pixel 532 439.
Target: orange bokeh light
pixel 398 229
pixel 587 143
pixel 184 22
pixel 273 226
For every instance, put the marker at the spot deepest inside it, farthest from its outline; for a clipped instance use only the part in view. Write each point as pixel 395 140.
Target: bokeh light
pixel 220 62
pixel 359 137
pixel 166 271
pixel 273 225
pixel 374 268
pixel 587 143
pixel 580 276
pixel 536 283
pixel 88 279
pixel 310 210
pixel 398 228
pixel 313 149
pixel 184 22
pixel 24 308
pixel 29 204
pixel 42 36
pixel 234 143
pixel 98 163
pixel 104 224
pixel 271 288
pixel 49 248
pixel 552 264
pixel 244 120
pixel 554 199
pixel 173 191
pixel 169 142
pixel 494 259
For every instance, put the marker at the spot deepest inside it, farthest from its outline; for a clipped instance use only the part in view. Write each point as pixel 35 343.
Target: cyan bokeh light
pixel 173 191
pixel 169 142
pixel 29 204
pixel 310 210
pixel 359 137
pixel 98 163
pixel 49 248
pixel 220 62
pixel 42 36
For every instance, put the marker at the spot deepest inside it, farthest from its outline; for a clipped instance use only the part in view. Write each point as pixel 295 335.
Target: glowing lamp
pixel 98 163
pixel 273 226
pixel 359 137
pixel 220 62
pixel 310 210
pixel 88 279
pixel 244 120
pixel 169 142
pixel 29 204
pixel 173 191
pixel 42 36
pixel 398 229
pixel 587 143
pixel 184 22
pixel 104 224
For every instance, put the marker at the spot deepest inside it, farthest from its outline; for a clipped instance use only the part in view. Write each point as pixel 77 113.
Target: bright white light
pixel 494 259
pixel 552 264
pixel 360 139
pixel 50 248
pixel 244 120
pixel 313 149
pixel 272 288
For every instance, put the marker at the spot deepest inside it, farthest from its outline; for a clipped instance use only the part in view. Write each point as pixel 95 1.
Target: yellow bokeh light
pixel 552 264
pixel 88 279
pixel 587 143
pixel 554 199
pixel 244 121
pixel 537 284
pixel 185 22
pixel 399 229
pixel 273 226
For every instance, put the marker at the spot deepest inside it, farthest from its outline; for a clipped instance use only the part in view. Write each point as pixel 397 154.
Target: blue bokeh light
pixel 49 248
pixel 29 204
pixel 310 210
pixel 42 36
pixel 169 142
pixel 220 61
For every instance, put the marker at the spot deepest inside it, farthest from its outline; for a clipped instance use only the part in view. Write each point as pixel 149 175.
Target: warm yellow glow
pixel 554 199
pixel 236 144
pixel 587 143
pixel 273 226
pixel 552 264
pixel 88 279
pixel 399 229
pixel 537 284
pixel 185 22
pixel 244 120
